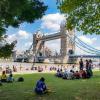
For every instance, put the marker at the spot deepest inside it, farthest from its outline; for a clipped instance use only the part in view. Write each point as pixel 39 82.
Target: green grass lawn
pixel 85 89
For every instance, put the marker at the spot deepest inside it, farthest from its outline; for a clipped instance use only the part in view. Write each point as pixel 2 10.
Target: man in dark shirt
pixel 81 65
pixel 41 86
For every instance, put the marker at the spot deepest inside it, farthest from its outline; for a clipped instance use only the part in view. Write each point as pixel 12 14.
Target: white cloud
pixel 18 36
pixel 24 40
pixel 87 40
pixel 23 34
pixel 52 21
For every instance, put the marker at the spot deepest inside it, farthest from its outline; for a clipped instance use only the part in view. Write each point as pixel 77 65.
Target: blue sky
pixel 23 34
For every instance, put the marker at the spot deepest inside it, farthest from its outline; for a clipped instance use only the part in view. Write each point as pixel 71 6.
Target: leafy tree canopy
pixel 84 15
pixel 15 12
pixel 6 50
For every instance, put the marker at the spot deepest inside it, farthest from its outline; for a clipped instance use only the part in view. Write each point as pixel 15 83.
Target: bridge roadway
pixel 75 56
pixel 51 36
pixel 85 56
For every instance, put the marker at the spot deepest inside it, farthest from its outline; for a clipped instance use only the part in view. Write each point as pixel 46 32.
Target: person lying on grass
pixel 41 87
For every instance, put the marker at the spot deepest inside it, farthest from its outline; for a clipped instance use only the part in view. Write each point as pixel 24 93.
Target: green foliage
pixel 6 50
pixel 84 15
pixel 15 12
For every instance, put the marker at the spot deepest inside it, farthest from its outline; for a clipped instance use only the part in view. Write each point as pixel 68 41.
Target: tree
pixel 84 15
pixel 15 12
pixel 6 50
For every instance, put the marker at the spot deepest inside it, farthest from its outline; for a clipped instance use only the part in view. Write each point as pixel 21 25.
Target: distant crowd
pixel 83 65
pixel 85 71
pixel 32 68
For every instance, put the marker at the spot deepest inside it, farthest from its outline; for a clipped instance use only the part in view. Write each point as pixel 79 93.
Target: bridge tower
pixel 63 50
pixel 38 45
pixel 67 46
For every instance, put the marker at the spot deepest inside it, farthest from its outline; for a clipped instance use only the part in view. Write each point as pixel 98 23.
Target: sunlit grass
pixel 88 89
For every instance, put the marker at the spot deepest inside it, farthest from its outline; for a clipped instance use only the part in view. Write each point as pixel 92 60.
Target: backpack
pixel 20 79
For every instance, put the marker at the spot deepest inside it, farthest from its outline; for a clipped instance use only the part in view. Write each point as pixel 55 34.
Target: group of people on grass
pixel 85 71
pixel 8 78
pixel 5 78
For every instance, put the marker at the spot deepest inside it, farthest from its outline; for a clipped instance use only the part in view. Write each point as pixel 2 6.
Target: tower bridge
pixel 69 41
pixel 67 46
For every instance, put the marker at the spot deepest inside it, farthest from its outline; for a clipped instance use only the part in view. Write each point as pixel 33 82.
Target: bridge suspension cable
pixel 95 52
pixel 87 46
pixel 81 46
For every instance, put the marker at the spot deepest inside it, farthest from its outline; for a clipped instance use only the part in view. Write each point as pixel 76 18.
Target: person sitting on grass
pixel 83 74
pixel 65 75
pixel 10 78
pixel 58 70
pixel 41 87
pixel 59 73
pixel 71 75
pixel 77 75
pixel 3 77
